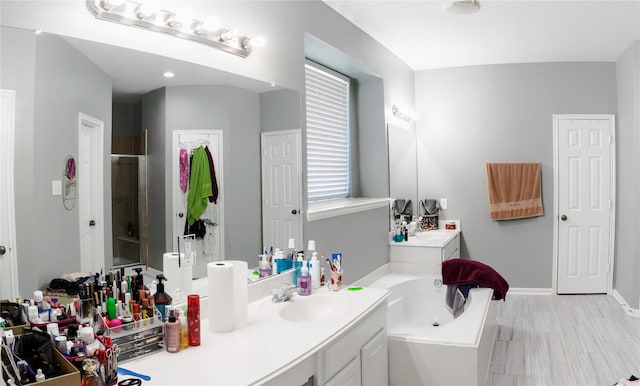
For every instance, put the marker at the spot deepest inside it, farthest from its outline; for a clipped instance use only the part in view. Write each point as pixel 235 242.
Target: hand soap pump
pixel 304 281
pixel 162 298
pixel 264 268
pixel 315 270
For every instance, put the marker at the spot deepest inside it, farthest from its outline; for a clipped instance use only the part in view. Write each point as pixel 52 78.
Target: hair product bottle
pixel 184 330
pixel 162 298
pixel 193 319
pixel 172 333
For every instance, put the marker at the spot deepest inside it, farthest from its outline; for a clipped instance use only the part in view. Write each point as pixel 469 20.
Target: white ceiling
pixel 135 72
pixel 422 35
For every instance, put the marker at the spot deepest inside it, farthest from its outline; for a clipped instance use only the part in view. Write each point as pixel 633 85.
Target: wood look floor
pixel 564 340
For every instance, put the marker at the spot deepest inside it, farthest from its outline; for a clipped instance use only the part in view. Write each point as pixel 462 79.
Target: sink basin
pixel 314 308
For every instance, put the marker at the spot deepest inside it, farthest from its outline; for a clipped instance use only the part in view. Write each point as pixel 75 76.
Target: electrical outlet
pixel 443 203
pixel 56 188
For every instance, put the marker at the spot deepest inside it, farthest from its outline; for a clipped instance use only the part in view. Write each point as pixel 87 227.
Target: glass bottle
pixel 90 376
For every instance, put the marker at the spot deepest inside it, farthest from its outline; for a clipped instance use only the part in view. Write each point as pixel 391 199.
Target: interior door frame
pixel 8 151
pixel 266 221
pixel 556 193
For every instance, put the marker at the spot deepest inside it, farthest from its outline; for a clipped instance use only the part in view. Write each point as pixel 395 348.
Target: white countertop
pixel 268 346
pixel 433 238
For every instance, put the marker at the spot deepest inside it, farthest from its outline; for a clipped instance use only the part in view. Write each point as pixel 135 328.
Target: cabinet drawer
pixel 349 376
pixel 452 249
pixel 346 347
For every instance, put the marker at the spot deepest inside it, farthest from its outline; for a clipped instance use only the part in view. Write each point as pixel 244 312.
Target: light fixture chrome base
pixel 131 13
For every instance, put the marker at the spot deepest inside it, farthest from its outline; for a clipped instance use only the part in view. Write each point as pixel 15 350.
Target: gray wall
pixel 154 121
pixel 356 237
pixel 627 267
pixel 501 113
pixel 17 72
pixel 64 84
pixel 280 110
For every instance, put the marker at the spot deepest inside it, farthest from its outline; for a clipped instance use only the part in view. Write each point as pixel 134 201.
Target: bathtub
pixel 427 346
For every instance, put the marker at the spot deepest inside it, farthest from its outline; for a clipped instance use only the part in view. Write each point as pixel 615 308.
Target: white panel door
pixel 91 193
pixel 211 247
pixel 8 257
pixel 585 203
pixel 281 188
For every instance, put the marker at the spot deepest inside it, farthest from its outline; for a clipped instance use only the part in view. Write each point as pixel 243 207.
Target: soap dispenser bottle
pixel 264 268
pixel 315 270
pixel 304 281
pixel 162 298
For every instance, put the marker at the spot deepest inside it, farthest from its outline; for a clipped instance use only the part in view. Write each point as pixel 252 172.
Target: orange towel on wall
pixel 514 190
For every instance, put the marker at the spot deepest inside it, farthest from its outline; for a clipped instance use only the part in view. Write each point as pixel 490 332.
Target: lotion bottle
pixel 315 270
pixel 172 333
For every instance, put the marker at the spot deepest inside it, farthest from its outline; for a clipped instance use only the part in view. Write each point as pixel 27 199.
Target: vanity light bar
pixel 136 14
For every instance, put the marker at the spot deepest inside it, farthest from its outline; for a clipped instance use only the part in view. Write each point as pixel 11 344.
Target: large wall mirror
pixel 403 173
pixel 76 76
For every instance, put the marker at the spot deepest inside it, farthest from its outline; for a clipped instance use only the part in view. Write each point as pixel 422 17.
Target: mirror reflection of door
pixel 210 246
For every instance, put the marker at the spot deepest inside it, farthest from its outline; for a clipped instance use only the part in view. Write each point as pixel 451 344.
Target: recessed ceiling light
pixel 168 74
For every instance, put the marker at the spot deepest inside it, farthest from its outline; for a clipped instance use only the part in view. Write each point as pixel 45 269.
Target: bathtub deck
pixel 564 340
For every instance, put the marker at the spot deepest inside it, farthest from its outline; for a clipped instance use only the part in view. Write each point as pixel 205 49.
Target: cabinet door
pixel 348 376
pixel 375 364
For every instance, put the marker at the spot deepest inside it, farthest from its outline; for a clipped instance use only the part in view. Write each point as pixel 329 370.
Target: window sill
pixel 332 208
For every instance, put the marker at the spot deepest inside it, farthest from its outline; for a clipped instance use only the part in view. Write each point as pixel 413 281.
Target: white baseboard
pixel 634 313
pixel 530 291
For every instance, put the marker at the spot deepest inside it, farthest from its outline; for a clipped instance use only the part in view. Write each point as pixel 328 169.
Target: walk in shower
pixel 129 209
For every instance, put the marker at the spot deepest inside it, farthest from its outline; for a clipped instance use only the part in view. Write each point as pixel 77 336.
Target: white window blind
pixel 327 99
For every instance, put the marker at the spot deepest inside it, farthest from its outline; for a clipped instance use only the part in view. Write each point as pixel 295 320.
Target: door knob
pixel 563 218
pixel 92 223
pixel 3 250
pixel 294 212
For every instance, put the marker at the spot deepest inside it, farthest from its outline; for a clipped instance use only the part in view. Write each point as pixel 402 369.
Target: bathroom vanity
pixel 427 247
pixel 331 338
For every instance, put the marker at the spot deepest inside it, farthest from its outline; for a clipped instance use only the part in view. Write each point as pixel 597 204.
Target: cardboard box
pixel 71 375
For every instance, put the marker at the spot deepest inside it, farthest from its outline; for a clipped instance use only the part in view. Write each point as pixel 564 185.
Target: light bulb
pixel 168 74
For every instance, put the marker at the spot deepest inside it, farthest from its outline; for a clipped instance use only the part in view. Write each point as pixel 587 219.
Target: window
pixel 327 105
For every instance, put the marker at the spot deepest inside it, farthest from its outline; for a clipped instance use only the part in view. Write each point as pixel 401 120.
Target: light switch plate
pixel 56 188
pixel 443 203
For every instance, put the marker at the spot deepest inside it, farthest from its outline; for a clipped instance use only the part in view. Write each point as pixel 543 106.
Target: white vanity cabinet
pixel 358 356
pixel 431 247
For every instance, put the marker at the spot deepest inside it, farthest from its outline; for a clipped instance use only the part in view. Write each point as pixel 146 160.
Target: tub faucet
pixel 282 294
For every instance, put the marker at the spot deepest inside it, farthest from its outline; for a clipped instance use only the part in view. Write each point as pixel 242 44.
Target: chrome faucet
pixel 282 294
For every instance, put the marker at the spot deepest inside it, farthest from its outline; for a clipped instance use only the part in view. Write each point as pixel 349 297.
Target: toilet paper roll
pixel 177 277
pixel 240 293
pixel 220 283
